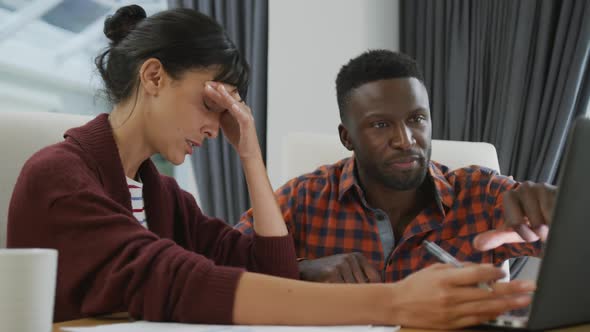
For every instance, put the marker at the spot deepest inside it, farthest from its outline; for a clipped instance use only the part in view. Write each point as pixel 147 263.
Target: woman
pixel 175 79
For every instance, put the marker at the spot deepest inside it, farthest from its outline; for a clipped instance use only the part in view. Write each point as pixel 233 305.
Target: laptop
pixel 563 285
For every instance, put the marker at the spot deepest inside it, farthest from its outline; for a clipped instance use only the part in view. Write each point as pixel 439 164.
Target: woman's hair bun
pixel 117 26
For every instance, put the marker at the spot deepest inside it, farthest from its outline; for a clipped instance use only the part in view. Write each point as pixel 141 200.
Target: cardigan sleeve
pixel 218 241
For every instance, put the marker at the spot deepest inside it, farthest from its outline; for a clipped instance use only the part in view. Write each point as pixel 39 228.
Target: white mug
pixel 27 289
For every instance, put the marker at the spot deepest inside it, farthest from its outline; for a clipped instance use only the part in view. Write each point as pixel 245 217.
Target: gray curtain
pixel 220 180
pixel 510 72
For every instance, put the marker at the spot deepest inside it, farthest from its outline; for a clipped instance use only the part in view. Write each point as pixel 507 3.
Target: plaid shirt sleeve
pixel 497 186
pixel 286 198
pixel 246 224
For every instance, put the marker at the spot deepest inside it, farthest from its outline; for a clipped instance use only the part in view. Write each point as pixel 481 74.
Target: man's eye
pixel 379 124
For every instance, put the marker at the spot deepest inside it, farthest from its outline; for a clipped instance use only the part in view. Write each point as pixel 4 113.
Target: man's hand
pixel 527 215
pixel 342 268
pixel 445 297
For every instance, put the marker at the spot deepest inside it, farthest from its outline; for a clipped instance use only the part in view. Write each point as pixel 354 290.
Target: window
pixel 47 48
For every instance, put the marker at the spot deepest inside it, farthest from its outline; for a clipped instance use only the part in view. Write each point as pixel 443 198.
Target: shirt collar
pixel 443 191
pixel 348 178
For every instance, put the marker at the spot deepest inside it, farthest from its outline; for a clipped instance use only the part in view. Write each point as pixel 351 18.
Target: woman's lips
pixel 191 145
pixel 189 148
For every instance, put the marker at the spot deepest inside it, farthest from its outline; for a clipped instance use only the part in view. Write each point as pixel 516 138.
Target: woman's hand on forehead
pixel 237 123
pixel 216 101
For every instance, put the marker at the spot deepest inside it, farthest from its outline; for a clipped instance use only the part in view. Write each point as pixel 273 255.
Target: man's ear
pixel 151 76
pixel 344 137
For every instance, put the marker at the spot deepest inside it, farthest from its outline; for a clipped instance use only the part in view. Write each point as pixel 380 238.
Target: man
pixel 363 219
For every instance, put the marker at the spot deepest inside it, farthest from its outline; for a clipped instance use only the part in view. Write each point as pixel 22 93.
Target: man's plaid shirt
pixel 327 214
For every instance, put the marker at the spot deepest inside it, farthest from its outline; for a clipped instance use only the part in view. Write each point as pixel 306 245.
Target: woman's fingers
pixel 514 287
pixel 229 101
pixel 224 100
pixel 473 274
pixel 223 95
pixel 236 121
pixel 492 307
pixel 499 289
pixel 217 101
pixel 454 301
pixel 472 306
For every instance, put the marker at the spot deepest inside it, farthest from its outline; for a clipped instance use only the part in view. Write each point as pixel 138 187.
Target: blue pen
pixel 447 258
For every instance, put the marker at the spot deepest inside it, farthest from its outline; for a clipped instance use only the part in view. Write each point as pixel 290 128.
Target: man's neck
pixel 400 205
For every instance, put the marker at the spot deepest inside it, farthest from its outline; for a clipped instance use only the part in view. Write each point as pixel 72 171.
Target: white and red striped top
pixel 136 191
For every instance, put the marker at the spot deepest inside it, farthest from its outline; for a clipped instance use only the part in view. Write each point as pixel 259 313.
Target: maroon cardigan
pixel 73 196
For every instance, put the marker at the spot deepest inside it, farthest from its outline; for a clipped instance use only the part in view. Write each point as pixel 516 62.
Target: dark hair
pixel 373 65
pixel 182 39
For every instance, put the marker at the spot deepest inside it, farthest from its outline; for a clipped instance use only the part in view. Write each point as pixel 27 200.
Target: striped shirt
pixel 327 214
pixel 136 191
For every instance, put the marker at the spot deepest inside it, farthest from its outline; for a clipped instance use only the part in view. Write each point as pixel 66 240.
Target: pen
pixel 447 258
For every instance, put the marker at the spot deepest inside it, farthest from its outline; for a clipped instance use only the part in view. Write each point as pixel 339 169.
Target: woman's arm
pixel 439 296
pixel 268 216
pixel 237 123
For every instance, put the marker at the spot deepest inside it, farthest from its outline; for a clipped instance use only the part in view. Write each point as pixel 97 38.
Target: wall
pixel 309 41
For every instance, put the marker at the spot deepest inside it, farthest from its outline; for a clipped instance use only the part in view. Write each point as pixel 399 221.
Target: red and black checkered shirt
pixel 327 214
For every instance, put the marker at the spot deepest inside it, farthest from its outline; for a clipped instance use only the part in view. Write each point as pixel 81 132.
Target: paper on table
pixel 142 326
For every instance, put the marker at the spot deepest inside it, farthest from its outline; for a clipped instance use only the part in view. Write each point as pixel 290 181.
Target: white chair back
pixel 23 134
pixel 304 152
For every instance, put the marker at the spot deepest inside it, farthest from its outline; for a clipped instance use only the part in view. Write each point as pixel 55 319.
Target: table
pixel 98 321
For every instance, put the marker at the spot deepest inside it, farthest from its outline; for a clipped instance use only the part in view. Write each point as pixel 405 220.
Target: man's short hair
pixel 373 65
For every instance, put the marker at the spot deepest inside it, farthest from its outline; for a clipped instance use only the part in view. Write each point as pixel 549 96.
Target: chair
pixel 23 134
pixel 304 152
